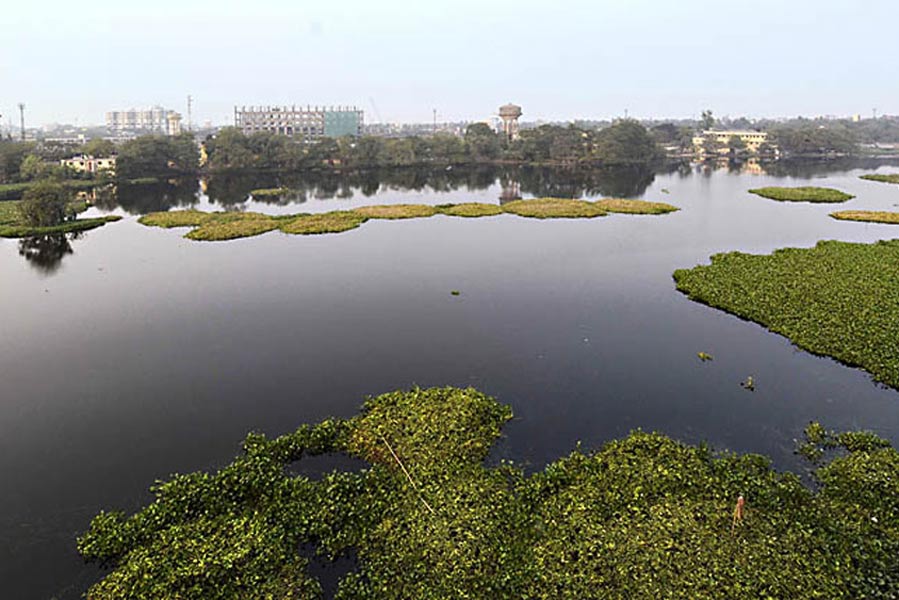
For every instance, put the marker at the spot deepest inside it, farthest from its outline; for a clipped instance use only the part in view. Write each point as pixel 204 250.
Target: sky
pixel 71 62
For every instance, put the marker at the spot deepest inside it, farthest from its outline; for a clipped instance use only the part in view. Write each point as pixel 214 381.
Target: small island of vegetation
pixel 869 216
pixel 836 299
pixel 221 226
pixel 802 194
pixel 427 517
pixel 46 208
pixel 887 178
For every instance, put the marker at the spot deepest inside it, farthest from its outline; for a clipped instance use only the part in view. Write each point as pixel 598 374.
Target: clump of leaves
pixel 644 516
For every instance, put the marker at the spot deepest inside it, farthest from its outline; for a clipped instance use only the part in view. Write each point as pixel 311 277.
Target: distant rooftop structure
pixel 309 123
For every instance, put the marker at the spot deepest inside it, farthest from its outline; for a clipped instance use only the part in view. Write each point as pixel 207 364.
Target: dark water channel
pixel 130 353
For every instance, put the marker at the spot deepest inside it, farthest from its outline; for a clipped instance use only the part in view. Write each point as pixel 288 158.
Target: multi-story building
pixel 752 139
pixel 89 164
pixel 309 123
pixel 152 120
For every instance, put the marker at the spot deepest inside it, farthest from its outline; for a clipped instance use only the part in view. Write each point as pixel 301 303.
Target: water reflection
pixel 45 252
pixel 233 191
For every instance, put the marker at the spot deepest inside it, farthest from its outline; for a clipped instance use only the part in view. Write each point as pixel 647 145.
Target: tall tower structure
pixel 509 113
pixel 22 119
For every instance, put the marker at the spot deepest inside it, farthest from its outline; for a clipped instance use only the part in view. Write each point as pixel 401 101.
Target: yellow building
pixel 752 139
pixel 90 164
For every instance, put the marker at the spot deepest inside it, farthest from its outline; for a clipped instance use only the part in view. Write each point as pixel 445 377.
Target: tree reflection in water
pixel 45 252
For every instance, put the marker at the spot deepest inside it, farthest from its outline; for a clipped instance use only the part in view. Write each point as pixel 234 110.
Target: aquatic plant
pixel 883 178
pixel 642 517
pixel 177 218
pixel 870 216
pixel 230 225
pixel 836 299
pixel 802 194
pixel 635 207
pixel 331 222
pixel 470 209
pixel 554 208
pixel 397 211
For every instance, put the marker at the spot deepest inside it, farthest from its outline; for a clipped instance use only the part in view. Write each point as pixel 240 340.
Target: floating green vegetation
pixel 887 178
pixel 470 209
pixel 837 299
pixel 397 211
pixel 230 225
pixel 643 517
pixel 871 216
pixel 270 192
pixel 455 293
pixel 13 226
pixel 332 222
pixel 554 208
pixel 802 194
pixel 177 218
pixel 635 207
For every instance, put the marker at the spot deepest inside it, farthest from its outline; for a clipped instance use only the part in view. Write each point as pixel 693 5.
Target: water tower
pixel 509 113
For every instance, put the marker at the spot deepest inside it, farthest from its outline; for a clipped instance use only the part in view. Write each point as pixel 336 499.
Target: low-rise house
pixel 90 164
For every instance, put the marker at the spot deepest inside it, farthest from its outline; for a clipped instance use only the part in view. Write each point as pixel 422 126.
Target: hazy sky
pixel 398 60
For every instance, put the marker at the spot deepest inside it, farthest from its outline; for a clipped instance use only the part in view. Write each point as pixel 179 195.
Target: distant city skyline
pixel 399 61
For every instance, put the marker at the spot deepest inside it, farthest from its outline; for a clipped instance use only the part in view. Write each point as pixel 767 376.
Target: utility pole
pixel 190 123
pixel 22 119
pixel 435 120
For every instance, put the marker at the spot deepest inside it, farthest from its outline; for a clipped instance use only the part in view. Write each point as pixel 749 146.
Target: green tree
pixel 626 142
pixel 33 168
pixel 157 156
pixel 45 204
pixel 707 121
pixel 483 143
pixel 98 147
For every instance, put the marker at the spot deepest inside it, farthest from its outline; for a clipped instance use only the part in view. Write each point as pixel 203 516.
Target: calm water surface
pixel 131 353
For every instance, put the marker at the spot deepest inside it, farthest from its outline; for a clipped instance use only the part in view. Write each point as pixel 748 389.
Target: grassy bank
pixel 222 226
pixel 802 194
pixel 642 517
pixel 887 178
pixel 12 225
pixel 837 299
pixel 870 216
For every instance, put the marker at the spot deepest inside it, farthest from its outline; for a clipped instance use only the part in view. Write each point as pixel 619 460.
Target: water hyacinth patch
pixel 802 194
pixel 644 516
pixel 836 299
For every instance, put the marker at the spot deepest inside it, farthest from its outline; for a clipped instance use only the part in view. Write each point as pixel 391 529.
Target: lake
pixel 130 353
